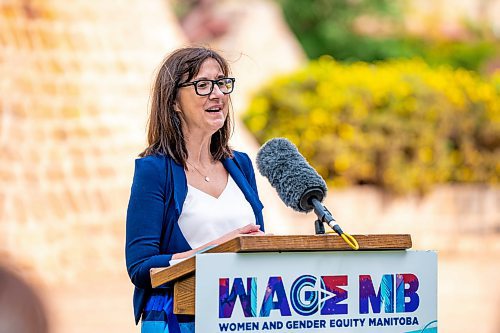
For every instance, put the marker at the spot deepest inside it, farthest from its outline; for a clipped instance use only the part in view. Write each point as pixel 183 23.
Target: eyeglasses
pixel 205 87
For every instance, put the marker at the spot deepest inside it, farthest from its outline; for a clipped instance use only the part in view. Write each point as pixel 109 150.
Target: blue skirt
pixel 161 326
pixel 158 316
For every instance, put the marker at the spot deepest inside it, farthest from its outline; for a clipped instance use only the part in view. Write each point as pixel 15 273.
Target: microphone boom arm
pixel 325 216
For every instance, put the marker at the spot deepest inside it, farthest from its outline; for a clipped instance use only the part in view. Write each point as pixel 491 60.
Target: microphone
pixel 298 185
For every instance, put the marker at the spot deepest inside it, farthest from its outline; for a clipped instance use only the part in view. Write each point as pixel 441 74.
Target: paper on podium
pixel 176 261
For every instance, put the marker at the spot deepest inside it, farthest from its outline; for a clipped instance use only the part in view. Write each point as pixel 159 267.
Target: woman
pixel 190 190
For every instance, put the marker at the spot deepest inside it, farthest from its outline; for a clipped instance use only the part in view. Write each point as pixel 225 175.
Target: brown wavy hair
pixel 165 135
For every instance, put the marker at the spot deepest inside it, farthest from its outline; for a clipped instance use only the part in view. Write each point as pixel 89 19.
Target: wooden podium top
pixel 292 243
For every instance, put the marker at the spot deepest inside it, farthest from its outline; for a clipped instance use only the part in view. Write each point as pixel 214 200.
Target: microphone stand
pixel 324 216
pixel 319 227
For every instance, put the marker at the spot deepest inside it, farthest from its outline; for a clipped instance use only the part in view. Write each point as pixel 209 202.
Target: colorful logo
pixel 308 295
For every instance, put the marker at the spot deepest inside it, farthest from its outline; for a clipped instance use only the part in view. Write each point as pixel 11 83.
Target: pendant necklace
pixel 207 179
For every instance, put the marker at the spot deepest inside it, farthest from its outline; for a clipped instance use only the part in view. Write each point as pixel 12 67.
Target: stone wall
pixel 74 90
pixel 449 219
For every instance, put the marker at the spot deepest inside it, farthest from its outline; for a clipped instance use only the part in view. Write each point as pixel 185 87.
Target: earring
pixel 176 107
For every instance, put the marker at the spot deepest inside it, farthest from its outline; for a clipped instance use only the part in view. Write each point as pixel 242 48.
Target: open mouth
pixel 214 109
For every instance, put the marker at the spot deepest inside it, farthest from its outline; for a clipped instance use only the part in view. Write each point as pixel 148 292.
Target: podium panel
pixel 348 291
pixel 385 299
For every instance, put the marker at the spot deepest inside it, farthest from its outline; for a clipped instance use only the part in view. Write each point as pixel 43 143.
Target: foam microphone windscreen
pixel 289 173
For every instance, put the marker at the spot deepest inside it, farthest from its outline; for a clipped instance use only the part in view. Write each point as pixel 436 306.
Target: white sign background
pixel 211 267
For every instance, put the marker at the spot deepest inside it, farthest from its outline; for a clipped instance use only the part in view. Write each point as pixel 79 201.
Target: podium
pixel 183 276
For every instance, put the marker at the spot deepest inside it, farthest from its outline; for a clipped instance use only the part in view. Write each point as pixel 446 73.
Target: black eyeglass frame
pixel 195 83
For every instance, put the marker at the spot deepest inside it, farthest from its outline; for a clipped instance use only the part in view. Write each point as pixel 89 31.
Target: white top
pixel 205 218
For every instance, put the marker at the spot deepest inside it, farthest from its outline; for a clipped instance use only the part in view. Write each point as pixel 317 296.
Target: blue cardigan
pixel 153 235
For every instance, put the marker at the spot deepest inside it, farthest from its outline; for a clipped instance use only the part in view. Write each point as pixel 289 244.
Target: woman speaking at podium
pixel 190 189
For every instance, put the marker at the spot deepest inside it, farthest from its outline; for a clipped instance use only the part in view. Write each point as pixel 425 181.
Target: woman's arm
pixel 145 221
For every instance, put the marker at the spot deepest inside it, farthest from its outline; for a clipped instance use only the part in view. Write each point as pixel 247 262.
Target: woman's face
pixel 203 115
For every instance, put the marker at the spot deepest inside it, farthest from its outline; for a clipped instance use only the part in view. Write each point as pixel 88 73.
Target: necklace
pixel 207 179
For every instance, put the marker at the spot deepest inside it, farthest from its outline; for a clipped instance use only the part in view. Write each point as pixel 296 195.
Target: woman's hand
pixel 249 229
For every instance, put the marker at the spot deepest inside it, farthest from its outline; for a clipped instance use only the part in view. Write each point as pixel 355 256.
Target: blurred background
pixel 395 102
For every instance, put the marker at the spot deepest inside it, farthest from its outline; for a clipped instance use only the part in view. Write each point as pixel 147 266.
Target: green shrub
pixel 400 125
pixel 468 55
pixel 328 27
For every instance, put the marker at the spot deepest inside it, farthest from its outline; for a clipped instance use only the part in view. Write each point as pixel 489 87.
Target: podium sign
pixel 362 291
